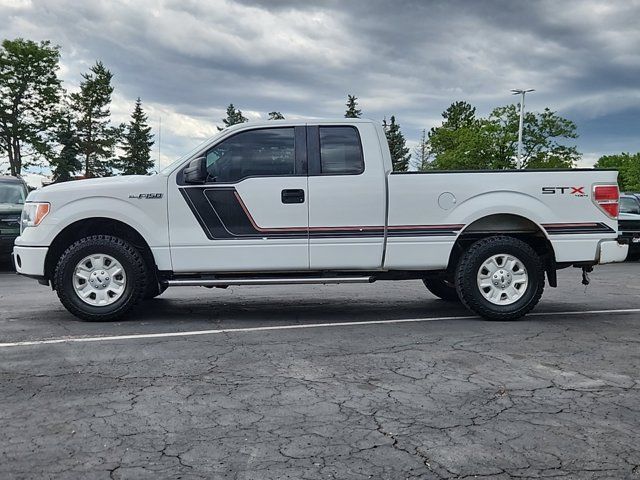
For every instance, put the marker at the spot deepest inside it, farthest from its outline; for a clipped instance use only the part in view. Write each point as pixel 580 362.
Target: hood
pixel 628 216
pixel 11 208
pixel 96 187
pixel 96 183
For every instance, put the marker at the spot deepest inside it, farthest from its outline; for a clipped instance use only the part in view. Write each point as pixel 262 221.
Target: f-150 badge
pixel 146 196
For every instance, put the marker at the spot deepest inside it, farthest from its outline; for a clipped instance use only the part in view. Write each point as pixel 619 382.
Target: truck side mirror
pixel 196 171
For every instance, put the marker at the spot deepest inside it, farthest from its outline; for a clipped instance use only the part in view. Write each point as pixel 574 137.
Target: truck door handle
pixel 294 195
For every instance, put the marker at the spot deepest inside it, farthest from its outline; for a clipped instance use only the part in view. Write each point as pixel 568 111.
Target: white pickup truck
pixel 315 202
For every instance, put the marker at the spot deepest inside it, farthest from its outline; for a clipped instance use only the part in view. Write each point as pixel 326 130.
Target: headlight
pixel 33 213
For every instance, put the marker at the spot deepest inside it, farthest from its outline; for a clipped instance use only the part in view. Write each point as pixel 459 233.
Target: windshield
pixel 629 205
pixel 13 193
pixel 169 168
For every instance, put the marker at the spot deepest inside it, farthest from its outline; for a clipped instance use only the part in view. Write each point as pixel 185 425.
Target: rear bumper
pixel 29 261
pixel 612 251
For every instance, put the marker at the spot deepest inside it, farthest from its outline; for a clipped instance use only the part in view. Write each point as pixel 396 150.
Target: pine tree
pixel 352 107
pixel 137 143
pixel 397 145
pixel 421 153
pixel 97 138
pixel 67 163
pixel 276 116
pixel 234 116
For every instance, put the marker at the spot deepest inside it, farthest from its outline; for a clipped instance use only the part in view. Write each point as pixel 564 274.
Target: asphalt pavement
pixel 352 381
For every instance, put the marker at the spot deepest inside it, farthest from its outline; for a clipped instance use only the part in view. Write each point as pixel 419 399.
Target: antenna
pixel 159 140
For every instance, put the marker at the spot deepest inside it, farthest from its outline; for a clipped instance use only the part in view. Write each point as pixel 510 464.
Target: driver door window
pixel 257 153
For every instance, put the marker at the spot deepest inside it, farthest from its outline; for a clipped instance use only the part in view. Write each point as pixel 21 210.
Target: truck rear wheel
pixel 100 278
pixel 500 278
pixel 442 289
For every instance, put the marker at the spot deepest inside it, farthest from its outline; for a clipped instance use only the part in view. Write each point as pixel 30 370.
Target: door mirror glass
pixel 196 171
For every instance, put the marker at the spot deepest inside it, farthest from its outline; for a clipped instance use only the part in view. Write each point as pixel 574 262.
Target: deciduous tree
pixel 30 92
pixel 544 138
pixel 629 167
pixel 466 142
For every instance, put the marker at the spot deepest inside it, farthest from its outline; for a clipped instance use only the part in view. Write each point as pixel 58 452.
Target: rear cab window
pixel 340 151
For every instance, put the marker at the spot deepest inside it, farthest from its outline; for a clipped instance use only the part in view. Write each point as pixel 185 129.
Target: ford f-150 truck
pixel 315 202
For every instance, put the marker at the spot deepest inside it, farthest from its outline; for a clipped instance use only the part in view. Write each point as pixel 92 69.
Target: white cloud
pixel 188 60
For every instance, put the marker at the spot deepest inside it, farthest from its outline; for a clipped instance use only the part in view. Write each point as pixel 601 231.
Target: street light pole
pixel 522 93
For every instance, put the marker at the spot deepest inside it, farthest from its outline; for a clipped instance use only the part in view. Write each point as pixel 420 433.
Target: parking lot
pixel 359 381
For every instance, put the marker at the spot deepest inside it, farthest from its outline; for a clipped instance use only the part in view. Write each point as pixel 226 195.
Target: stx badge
pixel 575 191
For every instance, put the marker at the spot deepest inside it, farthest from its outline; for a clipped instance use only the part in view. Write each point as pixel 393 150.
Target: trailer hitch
pixel 585 275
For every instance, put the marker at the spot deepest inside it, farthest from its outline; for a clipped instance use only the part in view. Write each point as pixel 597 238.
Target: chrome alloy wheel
pixel 99 280
pixel 502 279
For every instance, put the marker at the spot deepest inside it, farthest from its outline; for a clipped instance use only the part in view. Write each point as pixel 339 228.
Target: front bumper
pixel 29 261
pixel 612 251
pixel 632 238
pixel 6 243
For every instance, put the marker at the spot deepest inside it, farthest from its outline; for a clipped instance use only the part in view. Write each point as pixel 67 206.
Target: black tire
pixel 442 289
pixel 634 254
pixel 470 263
pixel 129 257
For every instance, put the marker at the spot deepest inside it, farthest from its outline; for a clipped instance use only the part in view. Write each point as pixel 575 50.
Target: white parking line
pixel 288 327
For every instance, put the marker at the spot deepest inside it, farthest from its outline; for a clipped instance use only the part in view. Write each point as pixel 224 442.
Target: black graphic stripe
pixel 577 228
pixel 444 231
pixel 222 217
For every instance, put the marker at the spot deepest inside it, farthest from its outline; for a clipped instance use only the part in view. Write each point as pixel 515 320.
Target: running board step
pixel 219 282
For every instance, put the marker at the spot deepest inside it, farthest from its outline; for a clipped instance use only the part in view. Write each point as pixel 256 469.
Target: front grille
pixel 629 225
pixel 9 220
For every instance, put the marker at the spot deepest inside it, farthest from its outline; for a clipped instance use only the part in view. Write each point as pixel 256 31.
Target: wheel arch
pixel 510 224
pixel 95 226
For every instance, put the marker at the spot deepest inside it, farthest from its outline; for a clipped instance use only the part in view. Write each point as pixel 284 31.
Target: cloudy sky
pixel 188 59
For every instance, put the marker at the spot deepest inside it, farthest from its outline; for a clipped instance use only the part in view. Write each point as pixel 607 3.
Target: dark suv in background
pixel 629 222
pixel 13 193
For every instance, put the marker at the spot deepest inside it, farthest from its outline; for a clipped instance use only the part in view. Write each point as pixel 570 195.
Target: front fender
pixel 148 218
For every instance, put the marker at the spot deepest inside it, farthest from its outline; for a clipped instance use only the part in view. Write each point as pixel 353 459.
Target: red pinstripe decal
pixel 545 225
pixel 333 229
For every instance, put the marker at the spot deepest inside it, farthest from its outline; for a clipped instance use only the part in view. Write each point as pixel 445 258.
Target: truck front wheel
pixel 100 278
pixel 500 278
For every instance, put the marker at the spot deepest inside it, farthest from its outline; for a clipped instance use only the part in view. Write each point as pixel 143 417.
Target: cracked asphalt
pixel 554 395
